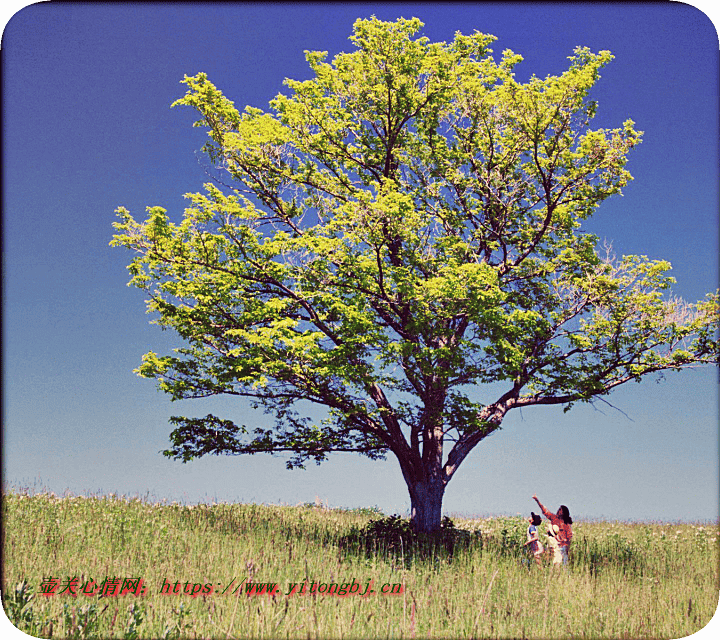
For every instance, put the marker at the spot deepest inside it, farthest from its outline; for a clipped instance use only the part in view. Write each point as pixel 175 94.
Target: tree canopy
pixel 396 240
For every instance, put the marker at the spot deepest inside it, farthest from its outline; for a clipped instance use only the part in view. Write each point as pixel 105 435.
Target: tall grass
pixel 624 581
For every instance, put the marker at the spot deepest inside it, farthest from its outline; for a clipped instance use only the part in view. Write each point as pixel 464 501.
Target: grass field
pixel 625 580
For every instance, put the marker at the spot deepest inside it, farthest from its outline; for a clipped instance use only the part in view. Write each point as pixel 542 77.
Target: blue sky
pixel 87 127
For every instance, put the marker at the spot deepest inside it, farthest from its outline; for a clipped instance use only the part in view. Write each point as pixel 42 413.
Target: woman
pixel 560 531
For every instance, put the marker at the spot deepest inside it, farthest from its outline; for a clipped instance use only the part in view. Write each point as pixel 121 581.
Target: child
pixel 532 537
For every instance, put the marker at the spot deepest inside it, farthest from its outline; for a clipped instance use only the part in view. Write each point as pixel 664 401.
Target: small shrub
pixel 394 538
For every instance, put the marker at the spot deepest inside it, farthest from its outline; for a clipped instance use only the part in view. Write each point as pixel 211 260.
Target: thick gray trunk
pixel 426 506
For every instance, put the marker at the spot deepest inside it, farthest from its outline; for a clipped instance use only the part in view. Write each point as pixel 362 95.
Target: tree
pixel 401 238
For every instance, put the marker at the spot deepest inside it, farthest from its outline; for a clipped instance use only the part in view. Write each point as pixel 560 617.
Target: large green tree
pixel 401 238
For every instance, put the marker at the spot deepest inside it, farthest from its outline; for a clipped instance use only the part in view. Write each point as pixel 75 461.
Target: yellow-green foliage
pixel 398 238
pixel 624 581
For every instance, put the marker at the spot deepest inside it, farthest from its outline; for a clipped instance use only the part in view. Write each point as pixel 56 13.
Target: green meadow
pixel 625 580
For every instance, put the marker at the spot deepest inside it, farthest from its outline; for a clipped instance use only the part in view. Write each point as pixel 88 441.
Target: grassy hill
pixel 255 571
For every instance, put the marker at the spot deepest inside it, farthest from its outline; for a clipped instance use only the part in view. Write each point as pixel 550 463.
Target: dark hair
pixel 536 519
pixel 564 513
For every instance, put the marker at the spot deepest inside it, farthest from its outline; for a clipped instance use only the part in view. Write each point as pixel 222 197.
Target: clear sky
pixel 87 127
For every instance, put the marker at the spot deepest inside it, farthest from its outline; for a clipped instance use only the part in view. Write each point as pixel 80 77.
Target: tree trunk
pixel 426 505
